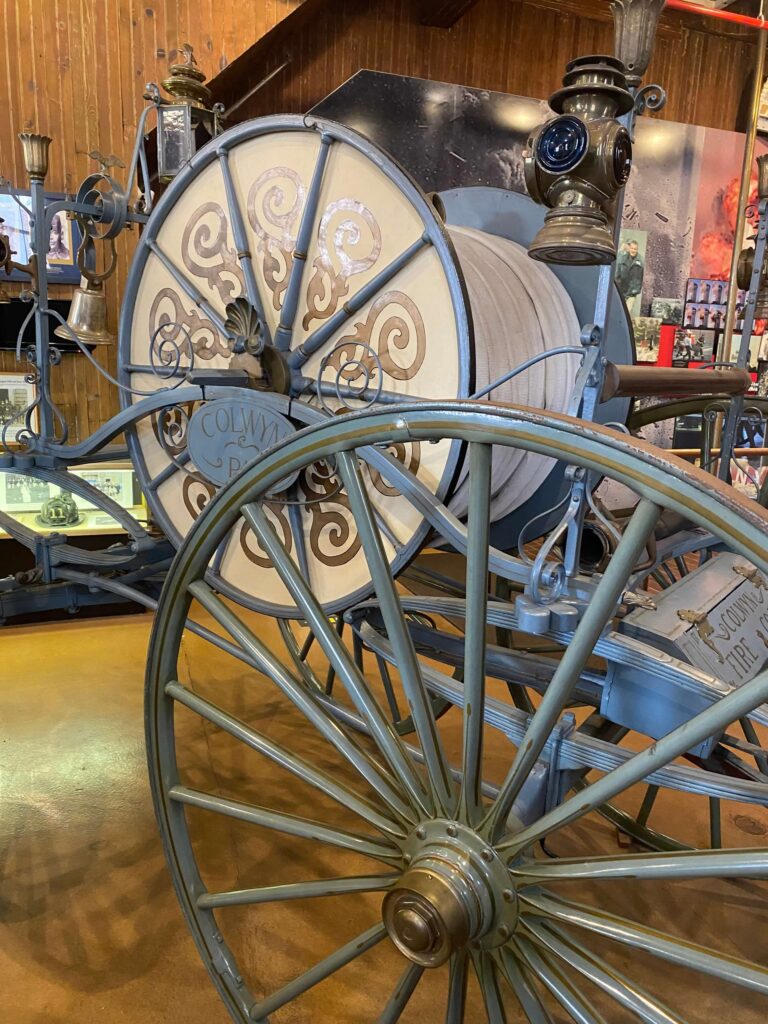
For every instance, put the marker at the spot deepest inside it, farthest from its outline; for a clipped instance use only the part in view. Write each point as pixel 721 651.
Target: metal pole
pixel 746 181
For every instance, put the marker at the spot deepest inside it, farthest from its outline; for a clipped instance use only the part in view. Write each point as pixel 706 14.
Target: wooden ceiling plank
pixel 444 13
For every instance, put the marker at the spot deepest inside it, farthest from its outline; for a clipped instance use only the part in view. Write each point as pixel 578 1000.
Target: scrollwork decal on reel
pixel 355 247
pixel 276 199
pixel 205 238
pixel 332 537
pixel 189 332
pixel 408 454
pixel 196 493
pixel 249 543
pixel 387 330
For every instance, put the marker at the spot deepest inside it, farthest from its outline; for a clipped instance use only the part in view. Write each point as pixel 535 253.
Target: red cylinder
pixel 666 344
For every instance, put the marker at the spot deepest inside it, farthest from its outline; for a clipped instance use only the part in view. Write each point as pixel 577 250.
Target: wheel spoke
pixel 566 676
pixel 289 824
pixel 279 755
pixel 346 954
pixel 241 241
pixel 604 976
pixel 296 891
pixel 190 289
pixel 298 693
pixel 295 517
pixel 751 736
pixel 381 729
pixel 562 988
pixel 302 666
pixel 707 723
pixel 643 866
pixel 661 944
pixel 647 805
pixel 406 986
pixel 715 824
pixel 523 987
pixel 397 629
pixel 478 529
pixel 485 969
pixel 457 988
pixel 318 338
pixel 284 332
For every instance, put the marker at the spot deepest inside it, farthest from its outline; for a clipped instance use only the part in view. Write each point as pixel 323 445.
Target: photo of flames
pixel 717 204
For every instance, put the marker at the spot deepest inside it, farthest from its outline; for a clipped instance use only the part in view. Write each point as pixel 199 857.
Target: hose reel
pixel 364 295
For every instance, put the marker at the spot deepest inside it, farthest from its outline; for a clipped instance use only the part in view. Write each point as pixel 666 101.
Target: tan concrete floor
pixel 90 929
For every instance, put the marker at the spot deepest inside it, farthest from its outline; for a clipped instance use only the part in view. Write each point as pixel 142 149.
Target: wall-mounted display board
pixel 45 506
pixel 64 241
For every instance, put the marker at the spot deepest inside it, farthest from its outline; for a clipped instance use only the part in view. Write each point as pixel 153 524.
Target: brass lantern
pixel 578 162
pixel 177 119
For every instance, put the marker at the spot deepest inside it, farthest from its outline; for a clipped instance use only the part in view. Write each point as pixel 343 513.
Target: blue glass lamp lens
pixel 562 144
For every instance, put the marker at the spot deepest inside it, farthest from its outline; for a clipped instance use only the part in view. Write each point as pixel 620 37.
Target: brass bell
pixel 87 315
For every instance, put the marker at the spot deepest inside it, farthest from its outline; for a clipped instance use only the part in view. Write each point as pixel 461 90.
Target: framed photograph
pixel 693 345
pixel 758 349
pixel 24 493
pixel 646 330
pixel 16 394
pixel 64 241
pixel 668 310
pixel 117 483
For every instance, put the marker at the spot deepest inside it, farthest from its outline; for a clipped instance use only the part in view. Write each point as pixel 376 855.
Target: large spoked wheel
pixel 293 836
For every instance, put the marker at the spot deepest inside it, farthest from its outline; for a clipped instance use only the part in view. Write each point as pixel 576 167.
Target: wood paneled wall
pixel 76 70
pixel 515 46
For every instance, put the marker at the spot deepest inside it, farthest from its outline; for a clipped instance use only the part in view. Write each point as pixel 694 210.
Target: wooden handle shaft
pixel 662 381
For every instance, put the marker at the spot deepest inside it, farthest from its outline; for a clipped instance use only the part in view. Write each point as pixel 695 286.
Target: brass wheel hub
pixel 456 891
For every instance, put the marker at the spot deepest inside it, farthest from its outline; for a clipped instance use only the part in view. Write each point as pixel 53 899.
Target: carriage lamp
pixel 577 163
pixel 178 118
pixel 746 262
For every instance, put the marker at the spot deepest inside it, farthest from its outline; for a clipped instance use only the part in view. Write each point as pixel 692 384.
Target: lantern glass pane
pixel 174 139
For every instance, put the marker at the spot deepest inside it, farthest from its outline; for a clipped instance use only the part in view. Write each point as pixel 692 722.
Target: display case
pixel 45 507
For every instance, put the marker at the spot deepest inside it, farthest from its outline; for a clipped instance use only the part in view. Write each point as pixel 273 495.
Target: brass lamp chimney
pixel 35 149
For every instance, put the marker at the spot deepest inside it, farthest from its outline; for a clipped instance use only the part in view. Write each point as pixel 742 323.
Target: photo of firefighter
pixel 630 268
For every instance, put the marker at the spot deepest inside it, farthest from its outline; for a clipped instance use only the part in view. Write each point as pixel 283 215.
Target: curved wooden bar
pixel 661 381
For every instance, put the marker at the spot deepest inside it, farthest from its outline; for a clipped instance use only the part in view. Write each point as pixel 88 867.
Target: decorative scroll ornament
pixel 333 540
pixel 205 238
pixel 355 246
pixel 408 454
pixel 196 493
pixel 278 516
pixel 394 330
pixel 275 200
pixel 243 324
pixel 191 333
pixel 170 427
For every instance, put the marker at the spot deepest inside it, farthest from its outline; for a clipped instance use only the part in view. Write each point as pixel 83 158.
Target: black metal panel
pixel 446 136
